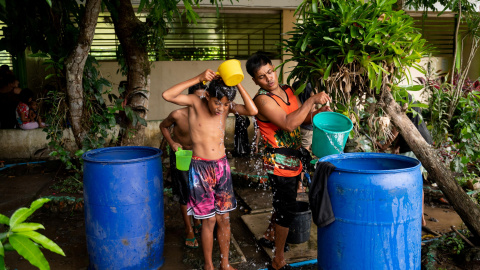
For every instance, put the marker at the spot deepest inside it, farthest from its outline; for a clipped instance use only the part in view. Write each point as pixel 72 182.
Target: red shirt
pixel 22 108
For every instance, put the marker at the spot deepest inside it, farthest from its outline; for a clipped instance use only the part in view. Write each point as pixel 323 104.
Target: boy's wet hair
pixel 218 89
pixel 198 86
pixel 256 61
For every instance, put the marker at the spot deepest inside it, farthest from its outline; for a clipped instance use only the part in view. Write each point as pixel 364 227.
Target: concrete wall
pixel 18 144
pixel 166 74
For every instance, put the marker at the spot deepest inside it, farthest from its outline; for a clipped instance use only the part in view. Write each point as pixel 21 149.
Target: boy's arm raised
pixel 249 108
pixel 174 93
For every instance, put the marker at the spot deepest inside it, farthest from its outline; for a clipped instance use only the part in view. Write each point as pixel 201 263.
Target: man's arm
pixel 174 93
pixel 314 111
pixel 270 111
pixel 309 119
pixel 165 129
pixel 249 108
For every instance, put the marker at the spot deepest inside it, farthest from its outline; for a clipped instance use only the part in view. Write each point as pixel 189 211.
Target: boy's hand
pixel 321 98
pixel 175 146
pixel 207 75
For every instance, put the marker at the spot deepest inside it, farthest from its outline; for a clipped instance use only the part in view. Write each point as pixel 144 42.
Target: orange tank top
pixel 274 137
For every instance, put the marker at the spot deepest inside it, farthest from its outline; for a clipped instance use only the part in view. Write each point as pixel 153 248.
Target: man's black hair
pixel 4 68
pixel 256 61
pixel 26 95
pixel 6 79
pixel 218 89
pixel 198 86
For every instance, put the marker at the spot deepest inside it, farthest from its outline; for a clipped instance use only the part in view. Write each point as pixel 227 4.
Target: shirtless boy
pixel 211 196
pixel 181 139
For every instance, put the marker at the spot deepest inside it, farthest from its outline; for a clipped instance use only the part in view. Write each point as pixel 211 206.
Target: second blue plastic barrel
pixel 377 202
pixel 123 191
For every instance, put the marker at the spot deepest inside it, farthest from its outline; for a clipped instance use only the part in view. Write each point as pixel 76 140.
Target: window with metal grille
pixel 5 57
pixel 226 36
pixel 105 42
pixel 439 31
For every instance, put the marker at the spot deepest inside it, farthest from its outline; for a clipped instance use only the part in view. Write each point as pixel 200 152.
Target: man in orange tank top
pixel 279 117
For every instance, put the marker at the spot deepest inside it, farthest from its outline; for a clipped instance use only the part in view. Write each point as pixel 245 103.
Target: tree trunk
pixel 461 202
pixel 129 30
pixel 75 64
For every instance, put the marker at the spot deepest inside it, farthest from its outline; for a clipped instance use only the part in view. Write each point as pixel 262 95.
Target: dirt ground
pixel 66 227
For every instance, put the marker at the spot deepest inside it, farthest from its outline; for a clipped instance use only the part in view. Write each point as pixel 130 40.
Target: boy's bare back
pixel 181 131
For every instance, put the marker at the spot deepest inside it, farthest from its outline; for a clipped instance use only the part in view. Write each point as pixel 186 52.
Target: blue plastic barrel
pixel 123 191
pixel 377 202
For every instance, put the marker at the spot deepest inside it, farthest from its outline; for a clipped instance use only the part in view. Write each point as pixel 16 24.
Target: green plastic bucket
pixel 183 159
pixel 330 133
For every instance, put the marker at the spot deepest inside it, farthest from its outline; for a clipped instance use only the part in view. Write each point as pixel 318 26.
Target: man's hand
pixel 321 98
pixel 325 108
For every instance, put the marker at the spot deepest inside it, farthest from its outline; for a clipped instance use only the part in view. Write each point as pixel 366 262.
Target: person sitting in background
pixel 23 111
pixel 8 101
pixel 34 116
pixel 16 88
pixel 5 69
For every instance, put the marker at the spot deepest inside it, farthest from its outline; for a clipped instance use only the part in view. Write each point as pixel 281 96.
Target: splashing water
pixel 336 140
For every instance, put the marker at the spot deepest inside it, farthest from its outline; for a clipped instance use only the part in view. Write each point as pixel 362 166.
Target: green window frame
pixel 232 34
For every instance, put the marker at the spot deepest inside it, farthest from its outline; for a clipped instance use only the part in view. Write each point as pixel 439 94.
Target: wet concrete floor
pixel 21 185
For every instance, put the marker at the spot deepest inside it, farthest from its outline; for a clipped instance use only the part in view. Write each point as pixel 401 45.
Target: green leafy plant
pixel 466 131
pixel 465 13
pixel 98 117
pixel 71 184
pixel 438 91
pixel 454 242
pixel 23 237
pixel 461 131
pixel 352 50
pixel 349 45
